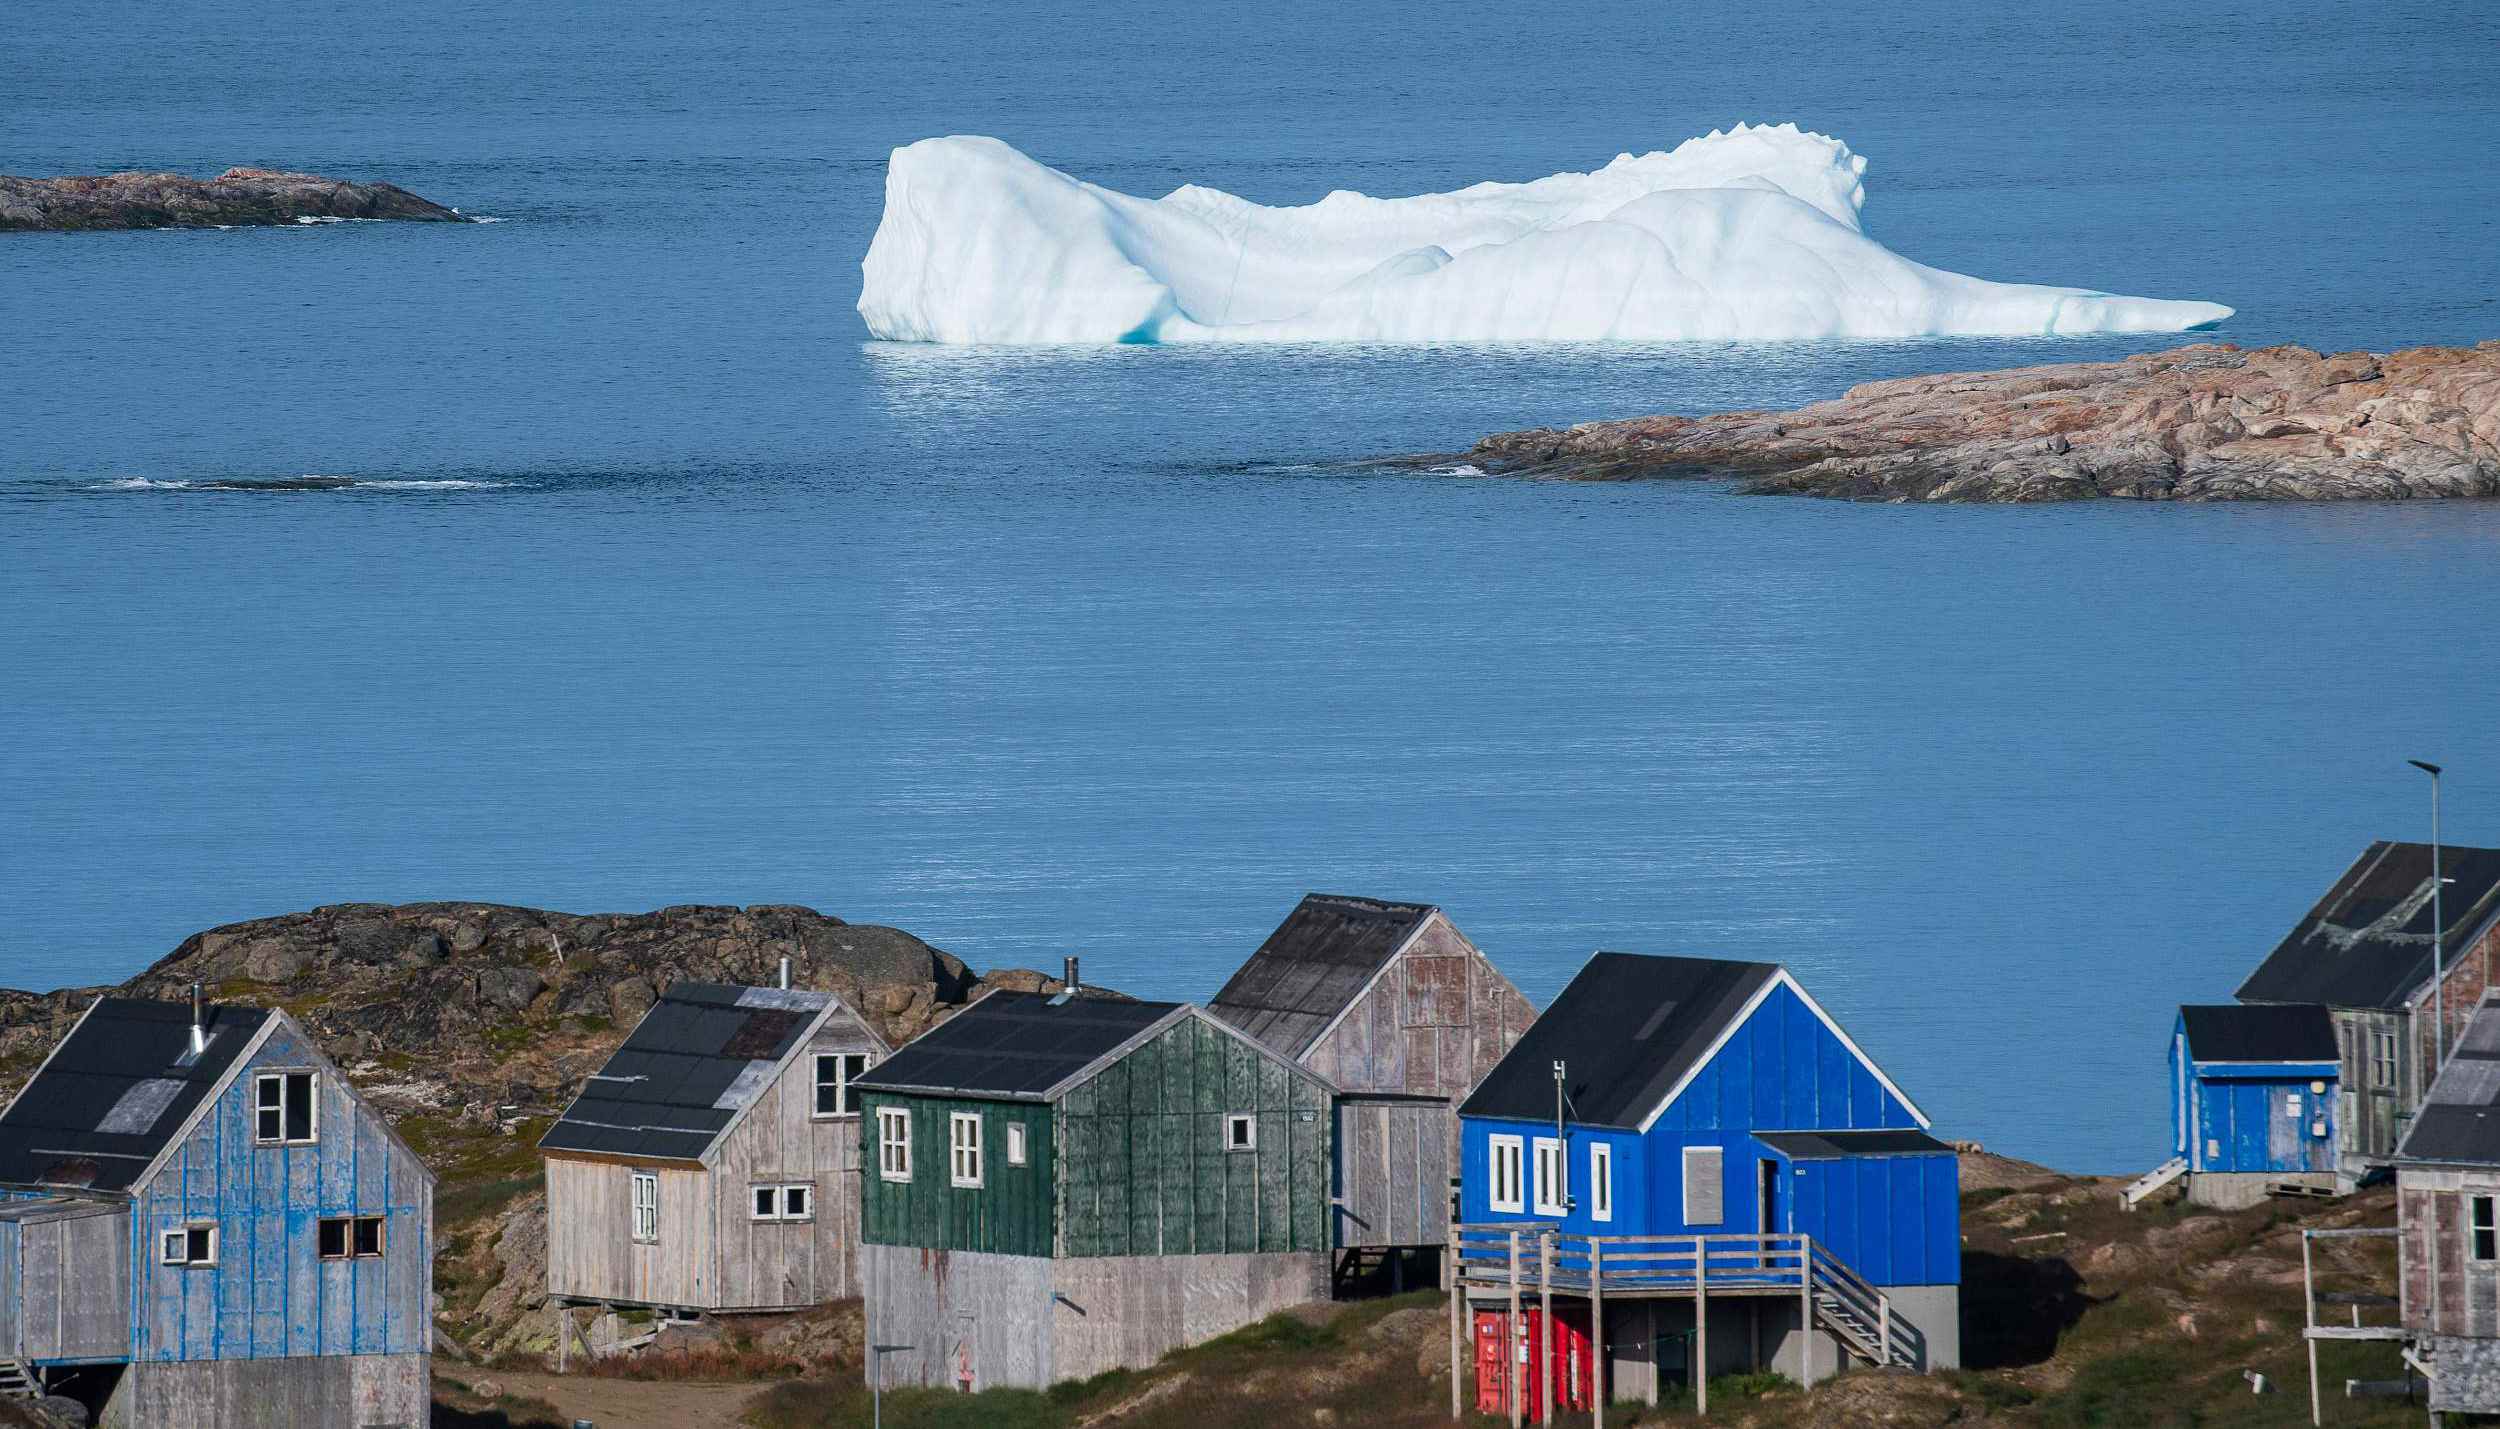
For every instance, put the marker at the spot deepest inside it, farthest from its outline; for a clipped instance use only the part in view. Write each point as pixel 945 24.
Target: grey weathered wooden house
pixel 1397 1009
pixel 2365 953
pixel 2448 1224
pixel 203 1224
pixel 1059 1186
pixel 713 1164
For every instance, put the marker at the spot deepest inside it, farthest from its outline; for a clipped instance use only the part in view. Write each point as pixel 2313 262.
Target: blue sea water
pixel 653 581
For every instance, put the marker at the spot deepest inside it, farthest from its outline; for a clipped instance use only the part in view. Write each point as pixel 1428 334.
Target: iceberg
pixel 1748 234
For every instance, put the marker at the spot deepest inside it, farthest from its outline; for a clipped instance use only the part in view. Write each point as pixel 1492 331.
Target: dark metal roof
pixel 116 1092
pixel 1015 1044
pixel 2368 942
pixel 2460 1121
pixel 703 1052
pixel 1627 1029
pixel 2264 1032
pixel 1316 962
pixel 1829 1145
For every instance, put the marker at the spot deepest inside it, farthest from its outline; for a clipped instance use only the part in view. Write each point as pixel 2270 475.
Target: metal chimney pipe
pixel 785 973
pixel 199 1027
pixel 1068 975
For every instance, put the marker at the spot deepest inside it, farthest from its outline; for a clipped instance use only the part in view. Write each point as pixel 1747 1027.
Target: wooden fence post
pixel 1543 1339
pixel 1597 1335
pixel 1458 1315
pixel 1883 1311
pixel 1805 1309
pixel 1701 1325
pixel 1512 1339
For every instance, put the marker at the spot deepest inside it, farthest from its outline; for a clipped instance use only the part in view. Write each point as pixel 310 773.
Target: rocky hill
pixel 2203 423
pixel 235 198
pixel 472 1024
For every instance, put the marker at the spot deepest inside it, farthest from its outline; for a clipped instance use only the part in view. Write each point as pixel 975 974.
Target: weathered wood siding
pixel 781 1141
pixel 331 1392
pixel 1010 1212
pixel 1014 1321
pixel 270 1293
pixel 1144 1169
pixel 65 1286
pixel 1394 1158
pixel 1433 1023
pixel 2371 1119
pixel 2442 1289
pixel 591 1252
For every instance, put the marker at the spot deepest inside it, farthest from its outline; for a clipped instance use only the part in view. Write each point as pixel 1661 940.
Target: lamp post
pixel 2439 933
pixel 876 1387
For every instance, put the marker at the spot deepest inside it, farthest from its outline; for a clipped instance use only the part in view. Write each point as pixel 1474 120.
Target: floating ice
pixel 1747 234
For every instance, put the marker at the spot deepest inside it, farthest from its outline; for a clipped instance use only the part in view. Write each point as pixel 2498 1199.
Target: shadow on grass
pixel 2014 1311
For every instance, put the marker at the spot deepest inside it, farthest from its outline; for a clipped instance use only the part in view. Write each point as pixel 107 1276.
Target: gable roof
pixel 2367 943
pixel 2459 1121
pixel 119 1090
pixel 1316 963
pixel 1628 1029
pixel 1020 1046
pixel 2260 1032
pixel 697 1060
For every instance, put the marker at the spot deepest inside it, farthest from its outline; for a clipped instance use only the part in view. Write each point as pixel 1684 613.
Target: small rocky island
pixel 2201 423
pixel 234 198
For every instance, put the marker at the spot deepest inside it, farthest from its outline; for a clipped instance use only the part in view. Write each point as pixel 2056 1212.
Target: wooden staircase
pixel 1861 1316
pixel 19 1380
pixel 2151 1181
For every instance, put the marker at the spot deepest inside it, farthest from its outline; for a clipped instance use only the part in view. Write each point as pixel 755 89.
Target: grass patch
pixel 480 1200
pixel 844 1404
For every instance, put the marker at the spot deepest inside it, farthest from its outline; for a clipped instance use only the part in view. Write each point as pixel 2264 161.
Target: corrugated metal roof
pixel 116 1091
pixel 1315 963
pixel 1627 1029
pixel 2459 1122
pixel 2368 941
pixel 1831 1145
pixel 702 1053
pixel 2264 1032
pixel 1016 1045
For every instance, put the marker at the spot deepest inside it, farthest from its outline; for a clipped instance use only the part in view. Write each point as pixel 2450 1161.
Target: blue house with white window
pixel 1679 1097
pixel 2254 1096
pixel 203 1223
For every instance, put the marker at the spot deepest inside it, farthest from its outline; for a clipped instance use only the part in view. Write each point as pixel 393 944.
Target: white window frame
pixel 763 1202
pixel 798 1201
pixel 1601 1181
pixel 2482 1229
pixel 644 1202
pixel 1716 1156
pixel 1505 1159
pixel 277 1077
pixel 963 1152
pixel 845 1101
pixel 2382 1058
pixel 1015 1143
pixel 894 1143
pixel 1241 1131
pixel 173 1246
pixel 1552 1177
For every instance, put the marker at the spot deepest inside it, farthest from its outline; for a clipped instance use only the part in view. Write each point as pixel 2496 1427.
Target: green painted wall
pixel 1009 1213
pixel 1144 1170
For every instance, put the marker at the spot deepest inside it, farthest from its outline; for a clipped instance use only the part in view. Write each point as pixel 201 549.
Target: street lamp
pixel 876 1389
pixel 2439 933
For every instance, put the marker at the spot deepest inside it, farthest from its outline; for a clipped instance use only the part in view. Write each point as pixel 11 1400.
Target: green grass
pixel 845 1404
pixel 479 1200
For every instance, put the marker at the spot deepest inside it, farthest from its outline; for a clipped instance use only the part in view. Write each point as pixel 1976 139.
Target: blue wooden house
pixel 1661 1100
pixel 202 1223
pixel 2254 1095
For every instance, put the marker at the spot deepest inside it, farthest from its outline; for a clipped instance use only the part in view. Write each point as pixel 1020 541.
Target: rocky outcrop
pixel 2201 423
pixel 235 197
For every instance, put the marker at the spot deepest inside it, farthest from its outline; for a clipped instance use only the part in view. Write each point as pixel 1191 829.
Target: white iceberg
pixel 1748 234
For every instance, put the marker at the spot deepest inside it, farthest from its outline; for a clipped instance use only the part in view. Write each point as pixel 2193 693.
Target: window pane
pixel 203 1245
pixel 299 1106
pixel 175 1248
pixel 333 1239
pixel 763 1202
pixel 828 1084
pixel 368 1235
pixel 794 1202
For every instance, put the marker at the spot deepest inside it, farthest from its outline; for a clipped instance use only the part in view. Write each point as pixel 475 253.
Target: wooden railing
pixel 1524 1260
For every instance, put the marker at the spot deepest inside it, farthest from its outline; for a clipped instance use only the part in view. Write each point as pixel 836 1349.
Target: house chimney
pixel 199 1026
pixel 785 974
pixel 1068 975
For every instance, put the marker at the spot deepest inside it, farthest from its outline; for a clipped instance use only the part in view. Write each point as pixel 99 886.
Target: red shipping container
pixel 1571 1369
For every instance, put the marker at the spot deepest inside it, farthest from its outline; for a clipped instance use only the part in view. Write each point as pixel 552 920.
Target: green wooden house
pixel 1056 1186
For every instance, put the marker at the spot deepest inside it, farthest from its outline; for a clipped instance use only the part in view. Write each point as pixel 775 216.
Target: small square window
pixel 189 1245
pixel 767 1202
pixel 835 1072
pixel 348 1237
pixel 331 1238
pixel 796 1205
pixel 1241 1132
pixel 283 1113
pixel 1015 1143
pixel 368 1235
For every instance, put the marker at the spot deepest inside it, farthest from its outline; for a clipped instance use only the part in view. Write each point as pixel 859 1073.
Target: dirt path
pixel 636 1404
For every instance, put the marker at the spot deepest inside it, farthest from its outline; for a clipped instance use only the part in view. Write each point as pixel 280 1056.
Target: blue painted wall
pixel 270 1293
pixel 1895 1220
pixel 2252 1116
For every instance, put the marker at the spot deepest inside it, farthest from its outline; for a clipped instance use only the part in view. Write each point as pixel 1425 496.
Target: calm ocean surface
pixel 660 584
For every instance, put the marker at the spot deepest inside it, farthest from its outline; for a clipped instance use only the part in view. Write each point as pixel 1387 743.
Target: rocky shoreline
pixel 2200 423
pixel 235 198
